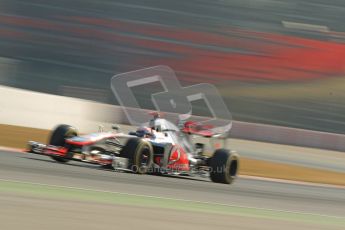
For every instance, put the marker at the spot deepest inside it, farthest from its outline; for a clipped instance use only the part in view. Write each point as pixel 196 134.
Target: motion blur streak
pixel 247 48
pixel 211 57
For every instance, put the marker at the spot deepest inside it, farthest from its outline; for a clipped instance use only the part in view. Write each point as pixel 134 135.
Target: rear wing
pixel 197 128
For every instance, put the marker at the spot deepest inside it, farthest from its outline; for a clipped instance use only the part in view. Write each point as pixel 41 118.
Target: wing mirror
pixel 115 127
pixel 100 128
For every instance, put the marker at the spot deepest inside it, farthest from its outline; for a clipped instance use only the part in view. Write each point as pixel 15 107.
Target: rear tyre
pixel 58 138
pixel 140 154
pixel 223 166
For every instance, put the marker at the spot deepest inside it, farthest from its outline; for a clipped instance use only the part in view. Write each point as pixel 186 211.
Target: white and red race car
pixel 156 147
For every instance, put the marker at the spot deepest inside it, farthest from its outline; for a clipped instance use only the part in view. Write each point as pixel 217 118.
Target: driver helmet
pixel 144 131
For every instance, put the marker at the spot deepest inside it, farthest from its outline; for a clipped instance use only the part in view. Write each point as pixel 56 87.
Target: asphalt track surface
pixel 276 197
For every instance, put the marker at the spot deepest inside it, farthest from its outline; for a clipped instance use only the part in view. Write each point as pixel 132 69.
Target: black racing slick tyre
pixel 223 166
pixel 140 154
pixel 58 136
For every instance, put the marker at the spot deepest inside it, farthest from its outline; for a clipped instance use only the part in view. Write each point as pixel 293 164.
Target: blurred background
pixel 274 62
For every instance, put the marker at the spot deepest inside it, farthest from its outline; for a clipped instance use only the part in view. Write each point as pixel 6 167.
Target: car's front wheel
pixel 58 138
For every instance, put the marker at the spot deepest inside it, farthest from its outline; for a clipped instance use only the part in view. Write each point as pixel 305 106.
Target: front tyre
pixel 223 166
pixel 58 138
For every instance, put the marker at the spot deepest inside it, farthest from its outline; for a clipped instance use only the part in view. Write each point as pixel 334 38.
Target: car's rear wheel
pixel 58 138
pixel 140 154
pixel 224 166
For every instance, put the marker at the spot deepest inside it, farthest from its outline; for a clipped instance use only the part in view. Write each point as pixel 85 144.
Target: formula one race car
pixel 156 147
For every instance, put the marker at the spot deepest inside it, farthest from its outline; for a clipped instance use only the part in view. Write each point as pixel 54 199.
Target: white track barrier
pixel 44 111
pixel 288 136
